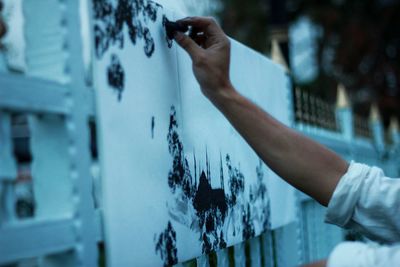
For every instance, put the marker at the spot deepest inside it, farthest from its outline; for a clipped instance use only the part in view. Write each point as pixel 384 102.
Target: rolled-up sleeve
pixel 367 201
pixel 355 254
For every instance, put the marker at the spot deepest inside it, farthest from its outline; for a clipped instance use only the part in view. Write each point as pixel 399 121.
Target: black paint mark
pixel 259 193
pixel 236 181
pixel 168 37
pixel 153 124
pixel 109 22
pixel 207 199
pixel 149 42
pixel 179 176
pixel 248 224
pixel 222 243
pixel 116 76
pixel 166 246
pixel 171 28
pixel 211 205
pixel 209 208
pixel 151 10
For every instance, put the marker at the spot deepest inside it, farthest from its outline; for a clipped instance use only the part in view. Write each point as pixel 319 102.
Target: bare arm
pixel 322 263
pixel 303 163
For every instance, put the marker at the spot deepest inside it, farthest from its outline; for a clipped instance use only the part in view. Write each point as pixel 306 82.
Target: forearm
pixel 322 263
pixel 303 163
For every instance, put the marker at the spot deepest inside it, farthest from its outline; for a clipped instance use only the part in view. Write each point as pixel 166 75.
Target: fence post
pixel 376 126
pixel 202 261
pixel 223 258
pixel 267 249
pixel 277 55
pixel 394 131
pixel 8 169
pixel 344 114
pixel 240 254
pixel 77 125
pixel 3 66
pixel 255 252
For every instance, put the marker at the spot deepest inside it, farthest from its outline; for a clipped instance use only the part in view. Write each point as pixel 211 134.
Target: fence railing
pixel 314 111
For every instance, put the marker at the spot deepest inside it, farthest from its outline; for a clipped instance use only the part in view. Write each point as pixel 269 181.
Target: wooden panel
pixel 20 93
pixel 30 239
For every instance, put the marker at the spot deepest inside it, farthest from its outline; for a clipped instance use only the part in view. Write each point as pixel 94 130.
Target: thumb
pixel 187 44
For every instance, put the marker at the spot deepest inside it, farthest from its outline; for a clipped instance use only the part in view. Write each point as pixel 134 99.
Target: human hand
pixel 209 49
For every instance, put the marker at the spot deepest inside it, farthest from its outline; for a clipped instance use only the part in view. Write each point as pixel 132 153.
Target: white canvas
pixel 178 180
pixel 267 85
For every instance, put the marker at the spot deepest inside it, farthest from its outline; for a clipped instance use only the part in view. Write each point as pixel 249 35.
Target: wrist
pixel 224 96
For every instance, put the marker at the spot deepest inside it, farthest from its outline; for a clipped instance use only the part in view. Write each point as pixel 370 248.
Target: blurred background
pixel 325 43
pixel 355 43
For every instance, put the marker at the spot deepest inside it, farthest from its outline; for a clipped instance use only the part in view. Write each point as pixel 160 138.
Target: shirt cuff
pixel 344 199
pixel 350 254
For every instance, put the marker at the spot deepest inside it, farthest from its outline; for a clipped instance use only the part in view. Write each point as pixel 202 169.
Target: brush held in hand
pixel 172 27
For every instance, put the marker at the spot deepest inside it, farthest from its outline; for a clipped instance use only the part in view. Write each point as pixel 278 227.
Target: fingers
pixel 201 40
pixel 198 36
pixel 188 44
pixel 208 25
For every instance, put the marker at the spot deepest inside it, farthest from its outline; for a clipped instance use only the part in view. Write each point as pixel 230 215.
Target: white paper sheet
pixel 137 90
pixel 178 180
pixel 266 84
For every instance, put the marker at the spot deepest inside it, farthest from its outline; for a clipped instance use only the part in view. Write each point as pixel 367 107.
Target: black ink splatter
pixel 151 10
pixel 259 193
pixel 236 181
pixel 222 243
pixel 109 22
pixel 171 28
pixel 166 246
pixel 207 199
pixel 116 76
pixel 149 42
pixel 210 205
pixel 168 35
pixel 153 124
pixel 179 176
pixel 206 244
pixel 248 224
pixel 209 208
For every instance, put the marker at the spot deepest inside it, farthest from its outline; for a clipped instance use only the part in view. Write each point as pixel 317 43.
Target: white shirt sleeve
pixel 367 201
pixel 356 254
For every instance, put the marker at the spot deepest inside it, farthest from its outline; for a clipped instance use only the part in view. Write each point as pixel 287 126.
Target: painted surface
pixel 178 180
